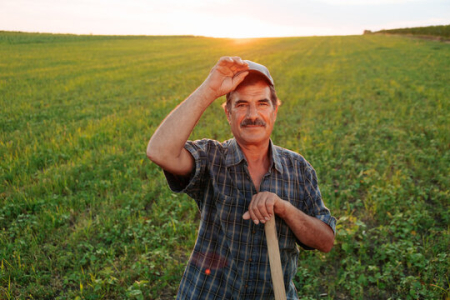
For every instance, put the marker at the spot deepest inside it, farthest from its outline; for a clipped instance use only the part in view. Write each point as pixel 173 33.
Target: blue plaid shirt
pixel 230 259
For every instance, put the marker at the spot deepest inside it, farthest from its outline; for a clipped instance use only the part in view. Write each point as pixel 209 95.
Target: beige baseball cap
pixel 258 68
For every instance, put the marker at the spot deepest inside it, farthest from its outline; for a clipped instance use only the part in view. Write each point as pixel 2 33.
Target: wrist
pixel 206 93
pixel 282 209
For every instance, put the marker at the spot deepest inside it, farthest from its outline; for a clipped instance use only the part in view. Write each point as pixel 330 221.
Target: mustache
pixel 250 122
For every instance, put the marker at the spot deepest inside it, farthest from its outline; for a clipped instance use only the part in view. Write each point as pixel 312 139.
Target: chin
pixel 251 136
pixel 253 139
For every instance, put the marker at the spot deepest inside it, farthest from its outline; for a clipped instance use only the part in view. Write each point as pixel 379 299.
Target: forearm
pixel 167 143
pixel 308 230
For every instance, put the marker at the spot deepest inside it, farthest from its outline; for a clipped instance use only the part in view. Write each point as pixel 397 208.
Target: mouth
pixel 253 126
pixel 253 123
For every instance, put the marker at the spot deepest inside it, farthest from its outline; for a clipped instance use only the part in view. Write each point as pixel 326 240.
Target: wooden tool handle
pixel 275 261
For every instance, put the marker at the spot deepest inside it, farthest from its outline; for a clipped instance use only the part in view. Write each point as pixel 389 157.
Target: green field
pixel 85 215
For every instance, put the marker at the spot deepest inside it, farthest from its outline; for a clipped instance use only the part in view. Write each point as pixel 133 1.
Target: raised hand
pixel 226 75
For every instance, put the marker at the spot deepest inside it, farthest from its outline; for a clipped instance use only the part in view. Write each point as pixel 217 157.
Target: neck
pixel 258 161
pixel 257 154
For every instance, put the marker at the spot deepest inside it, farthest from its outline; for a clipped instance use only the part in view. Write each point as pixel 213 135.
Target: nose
pixel 252 112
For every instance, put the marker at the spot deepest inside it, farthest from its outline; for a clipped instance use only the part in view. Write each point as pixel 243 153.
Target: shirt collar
pixel 234 155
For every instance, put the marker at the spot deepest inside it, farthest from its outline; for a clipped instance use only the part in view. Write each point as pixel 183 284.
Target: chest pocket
pixel 235 229
pixel 230 211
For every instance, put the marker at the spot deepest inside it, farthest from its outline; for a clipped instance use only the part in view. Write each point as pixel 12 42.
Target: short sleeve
pixel 313 203
pixel 313 199
pixel 194 184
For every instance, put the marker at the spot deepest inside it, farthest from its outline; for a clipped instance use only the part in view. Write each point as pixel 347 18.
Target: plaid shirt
pixel 230 259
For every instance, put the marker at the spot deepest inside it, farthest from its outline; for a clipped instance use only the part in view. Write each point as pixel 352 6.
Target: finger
pixel 270 206
pixel 239 61
pixel 246 216
pixel 238 78
pixel 257 207
pixel 235 63
pixel 253 216
pixel 239 65
pixel 225 60
pixel 262 206
pixel 251 211
pixel 228 61
pixel 230 66
pixel 271 200
pixel 223 63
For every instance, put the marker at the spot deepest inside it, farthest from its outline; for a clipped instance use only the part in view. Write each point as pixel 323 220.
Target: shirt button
pixel 250 260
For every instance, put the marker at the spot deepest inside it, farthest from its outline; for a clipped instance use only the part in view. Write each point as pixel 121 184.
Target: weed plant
pixel 85 215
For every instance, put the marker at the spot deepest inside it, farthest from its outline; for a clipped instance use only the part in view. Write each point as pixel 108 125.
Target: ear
pixel 276 108
pixel 227 113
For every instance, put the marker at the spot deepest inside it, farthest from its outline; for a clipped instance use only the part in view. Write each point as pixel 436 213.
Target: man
pixel 238 185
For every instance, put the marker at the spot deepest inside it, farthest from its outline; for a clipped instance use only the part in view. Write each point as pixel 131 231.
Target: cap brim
pixel 260 69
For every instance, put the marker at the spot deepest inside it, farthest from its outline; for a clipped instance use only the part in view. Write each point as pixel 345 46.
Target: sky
pixel 220 18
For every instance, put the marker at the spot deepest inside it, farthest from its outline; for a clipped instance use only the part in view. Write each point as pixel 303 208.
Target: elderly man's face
pixel 252 114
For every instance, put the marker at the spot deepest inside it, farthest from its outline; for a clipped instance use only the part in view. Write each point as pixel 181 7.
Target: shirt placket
pixel 256 236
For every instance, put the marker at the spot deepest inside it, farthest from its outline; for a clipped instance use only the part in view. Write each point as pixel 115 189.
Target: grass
pixel 85 215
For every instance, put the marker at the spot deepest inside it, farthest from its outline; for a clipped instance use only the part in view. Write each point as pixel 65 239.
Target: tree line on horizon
pixel 442 31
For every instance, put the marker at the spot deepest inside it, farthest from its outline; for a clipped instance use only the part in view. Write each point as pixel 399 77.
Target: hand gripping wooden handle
pixel 275 261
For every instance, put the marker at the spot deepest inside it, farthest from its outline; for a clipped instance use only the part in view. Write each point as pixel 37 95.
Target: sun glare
pixel 241 28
